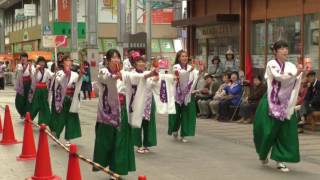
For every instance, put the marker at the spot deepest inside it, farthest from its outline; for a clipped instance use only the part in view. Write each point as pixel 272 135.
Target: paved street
pixel 220 151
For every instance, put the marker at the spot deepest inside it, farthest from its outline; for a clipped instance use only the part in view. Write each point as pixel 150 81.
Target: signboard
pixel 138 40
pixel 161 16
pixel 155 47
pixel 47 30
pixel 219 30
pixel 26 36
pixel 166 45
pixel 53 41
pixel 64 10
pixel 19 14
pixel 30 10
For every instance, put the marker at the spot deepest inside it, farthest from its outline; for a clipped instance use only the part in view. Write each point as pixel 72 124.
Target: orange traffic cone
pixel 43 169
pixel 28 147
pixel 73 164
pixel 93 94
pixel 1 130
pixel 8 137
pixel 142 178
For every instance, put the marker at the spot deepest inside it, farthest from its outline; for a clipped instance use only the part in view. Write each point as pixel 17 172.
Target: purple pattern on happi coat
pixel 163 92
pixel 181 94
pixel 60 92
pixel 147 108
pixel 109 113
pixel 19 86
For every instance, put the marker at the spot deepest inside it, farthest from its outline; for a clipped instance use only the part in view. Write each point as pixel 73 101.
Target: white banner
pixel 30 10
pixel 49 41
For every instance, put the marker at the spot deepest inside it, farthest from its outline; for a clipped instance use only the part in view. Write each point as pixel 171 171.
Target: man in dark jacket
pixel 248 107
pixel 312 98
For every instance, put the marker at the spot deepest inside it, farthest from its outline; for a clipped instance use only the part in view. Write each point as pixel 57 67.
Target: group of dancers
pixel 130 96
pixel 129 99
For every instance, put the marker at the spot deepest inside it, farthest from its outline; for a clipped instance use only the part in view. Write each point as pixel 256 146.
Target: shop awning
pixel 33 55
pixel 207 20
pixel 6 57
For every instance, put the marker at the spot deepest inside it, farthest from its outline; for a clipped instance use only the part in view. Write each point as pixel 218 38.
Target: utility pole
pixel 133 16
pixel 74 29
pixel 148 28
pixel 45 5
pixel 121 25
pixel 92 34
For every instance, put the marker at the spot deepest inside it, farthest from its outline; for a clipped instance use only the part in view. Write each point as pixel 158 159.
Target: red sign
pixel 161 16
pixel 61 41
pixel 64 10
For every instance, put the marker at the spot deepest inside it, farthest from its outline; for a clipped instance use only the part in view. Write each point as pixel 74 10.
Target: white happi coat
pixel 283 88
pixel 135 89
pixel 163 93
pixel 74 80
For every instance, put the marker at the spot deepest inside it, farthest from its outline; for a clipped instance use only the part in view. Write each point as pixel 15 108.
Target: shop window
pixel 311 39
pixel 258 39
pixel 289 30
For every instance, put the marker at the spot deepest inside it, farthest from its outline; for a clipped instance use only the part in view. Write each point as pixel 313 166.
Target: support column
pixel 92 34
pixel 148 28
pixel 45 9
pixel 133 16
pixel 74 27
pixel 2 32
pixel 121 25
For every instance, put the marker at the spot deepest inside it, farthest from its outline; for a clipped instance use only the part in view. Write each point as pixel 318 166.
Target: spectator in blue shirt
pixel 233 98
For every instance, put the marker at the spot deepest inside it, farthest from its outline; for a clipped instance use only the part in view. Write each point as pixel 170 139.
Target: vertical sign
pixel 64 10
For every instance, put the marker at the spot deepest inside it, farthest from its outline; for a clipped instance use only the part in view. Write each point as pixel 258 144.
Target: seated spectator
pixel 219 95
pixel 216 68
pixel 312 98
pixel 233 98
pixel 300 109
pixel 248 107
pixel 206 96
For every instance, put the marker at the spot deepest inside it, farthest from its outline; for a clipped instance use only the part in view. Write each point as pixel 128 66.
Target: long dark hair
pixel 177 61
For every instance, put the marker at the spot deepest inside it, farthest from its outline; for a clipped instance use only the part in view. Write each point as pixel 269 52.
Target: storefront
pixel 215 40
pixel 260 23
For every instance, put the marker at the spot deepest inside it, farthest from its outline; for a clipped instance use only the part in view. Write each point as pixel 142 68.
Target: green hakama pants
pixel 21 101
pixel 114 146
pixel 66 119
pixel 149 131
pixel 40 105
pixel 281 137
pixel 185 118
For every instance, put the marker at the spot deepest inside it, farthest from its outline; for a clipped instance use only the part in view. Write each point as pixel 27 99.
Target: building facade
pixel 26 34
pixel 250 27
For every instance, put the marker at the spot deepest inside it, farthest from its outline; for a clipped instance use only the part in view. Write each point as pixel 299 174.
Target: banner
pixel 30 10
pixel 161 16
pixel 64 10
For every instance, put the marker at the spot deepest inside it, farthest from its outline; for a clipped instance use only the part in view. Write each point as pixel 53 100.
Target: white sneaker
pixel 282 167
pixel 265 162
pixel 184 140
